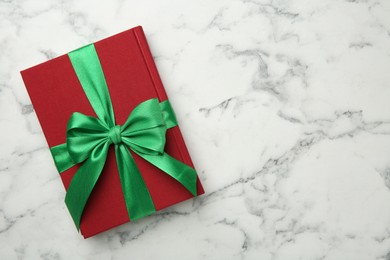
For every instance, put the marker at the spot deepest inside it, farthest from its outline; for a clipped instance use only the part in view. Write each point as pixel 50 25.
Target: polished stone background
pixel 284 106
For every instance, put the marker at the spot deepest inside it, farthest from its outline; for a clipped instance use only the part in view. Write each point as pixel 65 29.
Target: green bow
pixel 88 140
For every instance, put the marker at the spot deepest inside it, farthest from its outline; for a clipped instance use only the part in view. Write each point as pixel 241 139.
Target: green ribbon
pixel 88 140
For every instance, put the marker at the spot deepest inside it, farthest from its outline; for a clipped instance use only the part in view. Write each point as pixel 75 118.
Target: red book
pixel 132 78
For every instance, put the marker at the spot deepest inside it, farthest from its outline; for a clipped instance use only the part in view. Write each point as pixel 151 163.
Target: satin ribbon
pixel 88 140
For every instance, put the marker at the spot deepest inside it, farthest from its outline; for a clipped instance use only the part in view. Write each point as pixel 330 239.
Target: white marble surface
pixel 284 106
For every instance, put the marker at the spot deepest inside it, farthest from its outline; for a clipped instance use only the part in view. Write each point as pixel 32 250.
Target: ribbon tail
pixel 176 169
pixel 138 201
pixel 83 182
pixel 61 157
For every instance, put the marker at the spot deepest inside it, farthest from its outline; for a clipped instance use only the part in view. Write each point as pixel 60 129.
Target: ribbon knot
pixel 115 134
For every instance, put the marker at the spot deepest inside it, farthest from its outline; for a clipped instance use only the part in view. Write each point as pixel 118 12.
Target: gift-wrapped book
pixel 112 132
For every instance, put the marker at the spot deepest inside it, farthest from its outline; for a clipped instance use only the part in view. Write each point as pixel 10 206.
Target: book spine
pixel 144 47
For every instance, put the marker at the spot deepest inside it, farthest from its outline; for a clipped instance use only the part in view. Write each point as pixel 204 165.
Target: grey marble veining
pixel 284 106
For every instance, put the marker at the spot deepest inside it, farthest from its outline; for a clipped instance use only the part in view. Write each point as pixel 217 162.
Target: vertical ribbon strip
pixel 88 140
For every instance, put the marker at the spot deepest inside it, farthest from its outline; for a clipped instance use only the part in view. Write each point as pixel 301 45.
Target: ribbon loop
pixel 146 115
pixel 83 134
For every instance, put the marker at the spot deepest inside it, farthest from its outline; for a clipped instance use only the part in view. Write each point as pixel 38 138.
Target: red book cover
pixel 132 78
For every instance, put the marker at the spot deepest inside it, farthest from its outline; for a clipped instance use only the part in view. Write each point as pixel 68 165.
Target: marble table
pixel 284 106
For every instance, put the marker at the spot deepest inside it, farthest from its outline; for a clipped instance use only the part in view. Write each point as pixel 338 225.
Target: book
pixel 132 78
